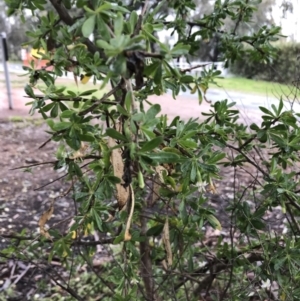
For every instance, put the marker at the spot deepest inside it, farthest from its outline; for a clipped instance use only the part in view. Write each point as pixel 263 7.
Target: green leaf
pixel 63 107
pixel 122 111
pixel 88 10
pixel 117 7
pixel 266 111
pixel 97 219
pixel 148 133
pixel 76 104
pixel 88 26
pixel 163 157
pixel 115 134
pixel 114 180
pixel 119 238
pixel 61 126
pixel 216 157
pixel 119 66
pixel 187 79
pixel 29 91
pixel 280 107
pixel 88 92
pixel 67 114
pixel 214 222
pixel 150 145
pixel 105 6
pixel 74 169
pixel 155 230
pixel 54 111
pixel 103 44
pixel 180 49
pixel 187 143
pixel 278 140
pixel 102 28
pixel 158 75
pixel 200 95
pixel 141 180
pixel 172 150
pixel 183 213
pixel 118 24
pixel 258 224
pixel 88 137
pixel 254 127
pixel 50 122
pixel 153 111
pixel 133 20
pixel 128 101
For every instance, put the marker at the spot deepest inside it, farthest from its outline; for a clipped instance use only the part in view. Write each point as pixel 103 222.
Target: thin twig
pixel 194 67
pixel 140 20
pixel 97 103
pixel 51 182
pixel 33 165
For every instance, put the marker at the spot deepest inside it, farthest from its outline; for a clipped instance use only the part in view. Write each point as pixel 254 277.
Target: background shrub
pixel 282 68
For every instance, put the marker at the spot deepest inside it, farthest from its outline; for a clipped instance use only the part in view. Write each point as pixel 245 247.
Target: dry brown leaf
pixel 118 167
pixel 43 220
pixel 167 244
pixel 127 235
pixel 164 264
pixel 158 179
pixel 80 153
pixel 212 188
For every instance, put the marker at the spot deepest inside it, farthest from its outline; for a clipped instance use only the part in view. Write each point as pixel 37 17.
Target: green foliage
pixel 282 68
pixel 141 183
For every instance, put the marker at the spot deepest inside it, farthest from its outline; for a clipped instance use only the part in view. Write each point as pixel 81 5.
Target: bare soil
pixel 22 195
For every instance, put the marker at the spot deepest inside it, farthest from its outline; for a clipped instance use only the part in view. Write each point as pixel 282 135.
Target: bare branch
pixel 194 67
pixel 97 103
pixel 67 19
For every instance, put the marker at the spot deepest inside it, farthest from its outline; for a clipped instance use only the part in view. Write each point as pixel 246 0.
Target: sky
pixel 290 22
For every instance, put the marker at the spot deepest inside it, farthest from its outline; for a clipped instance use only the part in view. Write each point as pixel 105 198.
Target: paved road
pixel 249 101
pixel 187 104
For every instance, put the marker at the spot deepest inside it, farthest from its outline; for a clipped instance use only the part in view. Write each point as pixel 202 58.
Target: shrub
pixel 283 68
pixel 146 186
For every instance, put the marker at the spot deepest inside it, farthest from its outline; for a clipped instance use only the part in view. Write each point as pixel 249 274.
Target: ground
pixel 21 202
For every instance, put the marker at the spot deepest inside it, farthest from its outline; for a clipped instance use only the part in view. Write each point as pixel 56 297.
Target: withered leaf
pixel 44 218
pixel 80 153
pixel 158 180
pixel 167 244
pixel 127 235
pixel 118 167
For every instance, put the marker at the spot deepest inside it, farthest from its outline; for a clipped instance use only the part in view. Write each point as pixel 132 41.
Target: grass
pixel 251 86
pixel 71 85
pixel 16 119
pixel 24 121
pixel 19 82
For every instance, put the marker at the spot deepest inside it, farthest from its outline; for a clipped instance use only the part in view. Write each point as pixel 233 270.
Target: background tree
pixel 14 30
pixel 144 184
